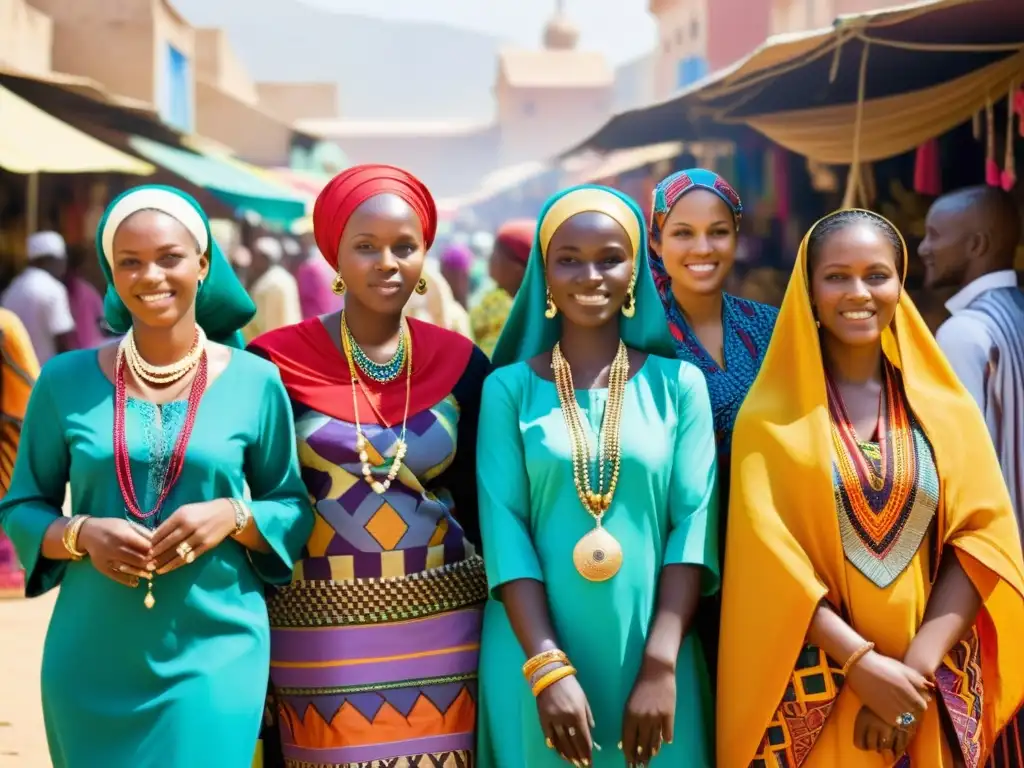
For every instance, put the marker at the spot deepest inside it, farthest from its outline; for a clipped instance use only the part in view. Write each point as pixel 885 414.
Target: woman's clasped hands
pixel 127 552
pixel 895 698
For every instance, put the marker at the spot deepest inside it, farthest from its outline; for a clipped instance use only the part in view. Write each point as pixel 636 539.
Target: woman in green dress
pixel 595 567
pixel 158 649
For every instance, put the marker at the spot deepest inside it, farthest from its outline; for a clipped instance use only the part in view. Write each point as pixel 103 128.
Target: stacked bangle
pixel 552 677
pixel 540 682
pixel 70 536
pixel 242 515
pixel 856 656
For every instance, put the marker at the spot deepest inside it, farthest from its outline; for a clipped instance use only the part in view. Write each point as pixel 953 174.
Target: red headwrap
pixel 353 187
pixel 516 237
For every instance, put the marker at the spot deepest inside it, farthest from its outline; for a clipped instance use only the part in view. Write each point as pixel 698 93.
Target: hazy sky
pixel 621 29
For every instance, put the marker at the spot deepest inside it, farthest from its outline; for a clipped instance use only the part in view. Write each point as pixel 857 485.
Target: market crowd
pixel 335 503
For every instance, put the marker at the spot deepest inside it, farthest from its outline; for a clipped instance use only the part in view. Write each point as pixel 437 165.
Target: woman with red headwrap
pixel 375 641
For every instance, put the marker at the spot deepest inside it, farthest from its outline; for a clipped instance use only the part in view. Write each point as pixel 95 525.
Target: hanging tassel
pixel 928 169
pixel 1009 175
pixel 1018 107
pixel 993 176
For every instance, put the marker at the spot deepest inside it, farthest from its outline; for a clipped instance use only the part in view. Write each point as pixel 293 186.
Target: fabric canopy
pixel 32 141
pixel 229 181
pixel 888 126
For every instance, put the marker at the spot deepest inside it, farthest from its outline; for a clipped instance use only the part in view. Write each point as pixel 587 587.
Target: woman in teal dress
pixel 158 649
pixel 594 596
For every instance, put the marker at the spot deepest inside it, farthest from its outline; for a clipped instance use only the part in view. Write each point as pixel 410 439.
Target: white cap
pixel 46 244
pixel 270 247
pixel 292 247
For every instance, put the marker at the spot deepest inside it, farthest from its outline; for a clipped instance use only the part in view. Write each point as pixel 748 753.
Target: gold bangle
pixel 70 536
pixel 856 656
pixel 551 678
pixel 542 659
pixel 242 515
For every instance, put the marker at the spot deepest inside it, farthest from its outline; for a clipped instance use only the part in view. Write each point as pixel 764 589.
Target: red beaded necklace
pixel 122 461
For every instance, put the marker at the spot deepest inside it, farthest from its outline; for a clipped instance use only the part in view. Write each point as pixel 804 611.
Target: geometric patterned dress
pixel 375 643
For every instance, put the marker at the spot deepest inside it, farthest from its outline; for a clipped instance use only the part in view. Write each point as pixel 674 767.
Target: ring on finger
pixel 571 731
pixel 185 552
pixel 550 744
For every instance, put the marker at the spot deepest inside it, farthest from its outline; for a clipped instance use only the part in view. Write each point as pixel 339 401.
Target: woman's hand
pixel 650 713
pixel 566 720
pixel 889 688
pixel 117 549
pixel 872 734
pixel 200 526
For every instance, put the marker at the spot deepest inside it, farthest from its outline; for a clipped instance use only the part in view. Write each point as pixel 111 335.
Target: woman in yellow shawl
pixel 873 604
pixel 18 371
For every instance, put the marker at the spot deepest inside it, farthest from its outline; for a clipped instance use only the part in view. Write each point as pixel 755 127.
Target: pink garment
pixel 315 276
pixel 87 311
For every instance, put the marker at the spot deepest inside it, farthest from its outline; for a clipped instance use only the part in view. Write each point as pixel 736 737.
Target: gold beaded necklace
pixel 598 555
pixel 378 486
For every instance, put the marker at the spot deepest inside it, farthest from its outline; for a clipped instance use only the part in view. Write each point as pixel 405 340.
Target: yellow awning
pixel 32 141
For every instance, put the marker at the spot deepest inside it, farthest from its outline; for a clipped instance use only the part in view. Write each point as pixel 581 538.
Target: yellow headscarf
pixel 783 547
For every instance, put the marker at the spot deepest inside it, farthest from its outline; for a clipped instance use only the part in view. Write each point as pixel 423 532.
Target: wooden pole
pixel 32 204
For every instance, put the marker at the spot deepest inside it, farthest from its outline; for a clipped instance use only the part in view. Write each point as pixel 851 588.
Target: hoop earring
pixel 550 310
pixel 338 286
pixel 421 286
pixel 629 305
pixel 200 286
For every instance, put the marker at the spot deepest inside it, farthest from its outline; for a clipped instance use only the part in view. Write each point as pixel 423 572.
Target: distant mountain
pixel 385 70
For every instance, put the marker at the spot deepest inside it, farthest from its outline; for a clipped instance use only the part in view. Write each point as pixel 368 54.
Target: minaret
pixel 560 34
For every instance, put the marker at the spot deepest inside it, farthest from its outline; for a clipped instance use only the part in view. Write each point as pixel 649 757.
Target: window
pixel 679 37
pixel 694 28
pixel 690 70
pixel 176 89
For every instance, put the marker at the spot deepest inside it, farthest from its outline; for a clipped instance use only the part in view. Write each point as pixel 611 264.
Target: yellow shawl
pixel 783 547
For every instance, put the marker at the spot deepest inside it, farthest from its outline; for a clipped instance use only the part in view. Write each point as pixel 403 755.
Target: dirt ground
pixel 22 629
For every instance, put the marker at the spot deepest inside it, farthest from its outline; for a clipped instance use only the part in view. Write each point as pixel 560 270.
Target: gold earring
pixel 338 286
pixel 818 323
pixel 551 310
pixel 629 305
pixel 421 286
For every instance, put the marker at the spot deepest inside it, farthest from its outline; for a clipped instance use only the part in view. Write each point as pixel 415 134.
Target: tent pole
pixel 32 203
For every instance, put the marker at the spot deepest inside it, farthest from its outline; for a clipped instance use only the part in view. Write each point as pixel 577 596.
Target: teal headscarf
pixel 223 306
pixel 528 332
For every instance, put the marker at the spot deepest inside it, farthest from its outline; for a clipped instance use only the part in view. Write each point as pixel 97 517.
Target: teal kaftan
pixel 181 685
pixel 664 512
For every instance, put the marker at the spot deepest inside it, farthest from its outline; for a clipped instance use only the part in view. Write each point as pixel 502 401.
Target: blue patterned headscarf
pixel 666 195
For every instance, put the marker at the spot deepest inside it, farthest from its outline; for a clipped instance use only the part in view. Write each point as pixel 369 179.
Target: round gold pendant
pixel 598 555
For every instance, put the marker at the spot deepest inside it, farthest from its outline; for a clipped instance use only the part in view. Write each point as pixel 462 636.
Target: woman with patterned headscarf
pixel 595 568
pixel 873 605
pixel 374 660
pixel 694 236
pixel 186 500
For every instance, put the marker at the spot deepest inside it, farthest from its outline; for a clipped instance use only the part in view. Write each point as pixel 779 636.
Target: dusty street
pixel 22 628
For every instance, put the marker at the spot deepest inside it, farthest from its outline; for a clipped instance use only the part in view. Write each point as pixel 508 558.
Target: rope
pixel 853 180
pixel 941 47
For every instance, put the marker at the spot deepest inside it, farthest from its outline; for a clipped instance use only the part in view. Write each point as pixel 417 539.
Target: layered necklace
pixel 376 372
pixel 127 353
pixel 598 555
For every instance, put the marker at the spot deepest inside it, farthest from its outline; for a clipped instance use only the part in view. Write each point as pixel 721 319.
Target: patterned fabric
pixel 746 330
pixel 959 682
pixel 673 187
pixel 375 642
pixel 488 317
pixel 888 495
pixel 161 425
pixel 18 371
pixel 801 716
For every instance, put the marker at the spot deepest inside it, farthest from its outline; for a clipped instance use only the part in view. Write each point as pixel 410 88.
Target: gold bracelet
pixel 242 515
pixel 70 536
pixel 551 678
pixel 856 656
pixel 542 659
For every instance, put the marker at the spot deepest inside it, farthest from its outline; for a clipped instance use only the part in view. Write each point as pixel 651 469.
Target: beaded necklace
pixel 598 555
pixel 362 444
pixel 122 459
pixel 886 498
pixel 382 373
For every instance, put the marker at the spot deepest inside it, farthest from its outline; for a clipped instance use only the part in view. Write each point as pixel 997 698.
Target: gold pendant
pixel 598 555
pixel 149 601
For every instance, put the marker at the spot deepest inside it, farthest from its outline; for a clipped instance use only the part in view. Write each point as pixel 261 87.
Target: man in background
pixel 507 269
pixel 971 238
pixel 272 288
pixel 39 298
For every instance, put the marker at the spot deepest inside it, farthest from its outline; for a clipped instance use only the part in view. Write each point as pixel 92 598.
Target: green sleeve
pixel 693 495
pixel 280 505
pixel 36 496
pixel 503 489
